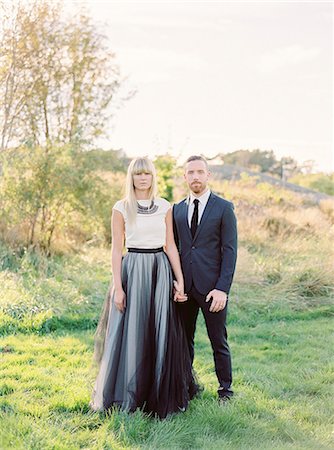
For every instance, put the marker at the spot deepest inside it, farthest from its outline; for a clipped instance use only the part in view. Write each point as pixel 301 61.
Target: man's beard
pixel 197 187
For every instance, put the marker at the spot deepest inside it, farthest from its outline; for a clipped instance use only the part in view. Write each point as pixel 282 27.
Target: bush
pixel 50 194
pixel 318 181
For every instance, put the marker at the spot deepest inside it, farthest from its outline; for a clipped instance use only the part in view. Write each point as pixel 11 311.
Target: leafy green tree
pixel 59 85
pixel 238 157
pixel 165 165
pixel 108 160
pixel 261 160
pixel 58 78
pixel 49 193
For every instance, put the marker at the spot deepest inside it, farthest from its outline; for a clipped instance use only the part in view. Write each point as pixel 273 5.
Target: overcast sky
pixel 219 76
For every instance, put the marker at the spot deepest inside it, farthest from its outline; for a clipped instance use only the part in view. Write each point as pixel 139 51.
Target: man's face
pixel 196 175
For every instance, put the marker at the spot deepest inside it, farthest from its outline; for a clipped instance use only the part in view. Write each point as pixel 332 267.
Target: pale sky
pixel 220 76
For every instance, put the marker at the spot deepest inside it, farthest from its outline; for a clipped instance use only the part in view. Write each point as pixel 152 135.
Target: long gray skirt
pixel 142 353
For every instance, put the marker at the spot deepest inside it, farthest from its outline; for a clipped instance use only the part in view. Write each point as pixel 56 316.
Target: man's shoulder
pixel 180 203
pixel 222 201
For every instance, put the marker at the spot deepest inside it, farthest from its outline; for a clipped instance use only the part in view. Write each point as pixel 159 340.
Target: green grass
pixel 282 361
pixel 283 398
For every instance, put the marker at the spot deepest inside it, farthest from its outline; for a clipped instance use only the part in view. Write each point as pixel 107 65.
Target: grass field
pixel 280 328
pixel 282 358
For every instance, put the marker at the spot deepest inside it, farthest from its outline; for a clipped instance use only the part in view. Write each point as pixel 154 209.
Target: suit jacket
pixel 208 260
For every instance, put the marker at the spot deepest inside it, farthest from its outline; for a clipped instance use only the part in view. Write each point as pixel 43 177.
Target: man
pixel 206 235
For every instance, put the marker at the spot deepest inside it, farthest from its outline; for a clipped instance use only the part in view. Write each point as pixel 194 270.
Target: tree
pixel 165 165
pixel 49 193
pixel 108 160
pixel 58 78
pixel 239 157
pixel 262 161
pixel 58 82
pixel 259 160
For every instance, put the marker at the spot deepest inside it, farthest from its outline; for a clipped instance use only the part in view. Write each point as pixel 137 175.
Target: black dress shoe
pixel 224 395
pixel 224 400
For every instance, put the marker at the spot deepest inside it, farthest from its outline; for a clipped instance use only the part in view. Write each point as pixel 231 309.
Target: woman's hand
pixel 179 295
pixel 120 300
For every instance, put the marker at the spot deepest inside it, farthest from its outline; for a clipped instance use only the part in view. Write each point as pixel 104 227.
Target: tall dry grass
pixel 285 242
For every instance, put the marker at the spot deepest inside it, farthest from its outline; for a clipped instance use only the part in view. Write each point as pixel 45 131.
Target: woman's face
pixel 142 181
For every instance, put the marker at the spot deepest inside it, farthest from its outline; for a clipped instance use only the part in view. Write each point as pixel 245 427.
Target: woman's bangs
pixel 142 166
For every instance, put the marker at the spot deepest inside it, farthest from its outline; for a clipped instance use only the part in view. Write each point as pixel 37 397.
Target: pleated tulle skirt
pixel 142 353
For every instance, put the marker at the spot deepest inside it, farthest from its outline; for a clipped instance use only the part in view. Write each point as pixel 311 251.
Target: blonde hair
pixel 137 166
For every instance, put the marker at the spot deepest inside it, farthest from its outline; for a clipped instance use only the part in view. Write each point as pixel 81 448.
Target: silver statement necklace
pixel 151 209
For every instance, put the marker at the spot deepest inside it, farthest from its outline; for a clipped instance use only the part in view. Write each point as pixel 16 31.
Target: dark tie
pixel 194 219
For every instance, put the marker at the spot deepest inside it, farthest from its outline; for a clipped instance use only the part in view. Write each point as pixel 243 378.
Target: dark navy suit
pixel 208 262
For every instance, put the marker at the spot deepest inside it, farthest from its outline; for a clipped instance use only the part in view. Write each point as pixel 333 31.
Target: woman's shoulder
pixel 119 206
pixel 163 203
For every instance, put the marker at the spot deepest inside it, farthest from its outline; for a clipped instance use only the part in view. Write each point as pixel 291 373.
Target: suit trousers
pixel 216 328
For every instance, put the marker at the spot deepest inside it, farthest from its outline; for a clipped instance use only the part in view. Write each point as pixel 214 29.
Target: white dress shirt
pixel 203 200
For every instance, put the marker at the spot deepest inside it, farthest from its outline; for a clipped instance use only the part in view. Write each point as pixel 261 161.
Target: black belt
pixel 145 250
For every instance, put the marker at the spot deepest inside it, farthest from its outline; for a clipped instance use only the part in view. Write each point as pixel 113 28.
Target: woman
pixel 140 343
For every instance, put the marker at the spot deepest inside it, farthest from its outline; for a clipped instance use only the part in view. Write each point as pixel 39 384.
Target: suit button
pixel 193 247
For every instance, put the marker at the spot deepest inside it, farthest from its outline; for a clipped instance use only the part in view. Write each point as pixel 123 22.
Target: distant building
pixel 216 160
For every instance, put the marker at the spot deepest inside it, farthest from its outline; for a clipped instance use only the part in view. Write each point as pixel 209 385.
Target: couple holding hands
pixel 179 259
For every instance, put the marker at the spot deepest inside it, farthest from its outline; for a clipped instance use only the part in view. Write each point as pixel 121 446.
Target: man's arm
pixel 229 242
pixel 176 236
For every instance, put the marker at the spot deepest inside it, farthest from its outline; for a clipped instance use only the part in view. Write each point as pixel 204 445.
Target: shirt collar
pixel 202 199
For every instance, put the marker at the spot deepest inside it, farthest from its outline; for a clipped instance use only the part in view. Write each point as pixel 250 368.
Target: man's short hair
pixel 197 158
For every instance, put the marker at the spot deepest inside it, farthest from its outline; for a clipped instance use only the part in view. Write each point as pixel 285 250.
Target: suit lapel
pixel 185 218
pixel 205 214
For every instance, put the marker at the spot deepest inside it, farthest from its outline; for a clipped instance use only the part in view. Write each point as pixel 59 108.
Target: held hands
pixel 120 297
pixel 219 299
pixel 120 300
pixel 179 295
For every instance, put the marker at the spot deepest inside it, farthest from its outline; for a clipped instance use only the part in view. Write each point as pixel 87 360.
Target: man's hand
pixel 219 299
pixel 179 295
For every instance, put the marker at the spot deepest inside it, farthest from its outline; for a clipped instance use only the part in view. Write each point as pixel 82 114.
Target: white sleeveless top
pixel 149 230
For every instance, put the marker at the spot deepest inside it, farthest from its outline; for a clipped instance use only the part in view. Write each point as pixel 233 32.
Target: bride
pixel 140 343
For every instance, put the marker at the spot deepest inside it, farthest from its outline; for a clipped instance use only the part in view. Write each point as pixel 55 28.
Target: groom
pixel 206 235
